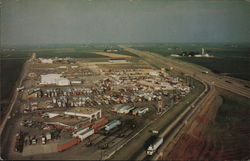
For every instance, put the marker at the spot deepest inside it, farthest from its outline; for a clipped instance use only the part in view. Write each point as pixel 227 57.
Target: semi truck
pixel 20 89
pixel 154 146
pixel 204 72
pixel 19 142
pixel 43 140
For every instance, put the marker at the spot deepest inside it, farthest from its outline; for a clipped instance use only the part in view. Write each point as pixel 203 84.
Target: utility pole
pixel 159 106
pixel 172 99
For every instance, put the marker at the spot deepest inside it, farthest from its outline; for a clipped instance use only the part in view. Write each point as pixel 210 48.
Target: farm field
pixel 80 52
pixel 229 60
pixel 112 55
pixel 10 68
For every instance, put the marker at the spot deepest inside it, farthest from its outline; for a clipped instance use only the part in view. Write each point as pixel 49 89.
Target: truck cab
pixel 34 141
pixel 154 131
pixel 43 140
pixel 204 72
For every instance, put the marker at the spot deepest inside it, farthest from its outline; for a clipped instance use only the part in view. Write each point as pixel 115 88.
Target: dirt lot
pixel 220 132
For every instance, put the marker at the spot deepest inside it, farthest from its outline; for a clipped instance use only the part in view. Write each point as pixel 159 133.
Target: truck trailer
pixel 154 146
pixel 86 134
pixel 99 124
pixel 112 125
pixel 67 144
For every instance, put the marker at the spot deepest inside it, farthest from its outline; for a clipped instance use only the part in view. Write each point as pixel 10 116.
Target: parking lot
pixel 50 112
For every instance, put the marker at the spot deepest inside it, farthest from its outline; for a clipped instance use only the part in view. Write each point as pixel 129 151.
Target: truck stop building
pixel 54 79
pixel 90 113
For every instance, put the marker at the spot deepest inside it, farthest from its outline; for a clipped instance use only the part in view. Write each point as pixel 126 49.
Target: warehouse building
pixel 154 74
pixel 125 109
pixel 118 61
pixel 90 113
pixel 50 78
pixel 46 61
pixel 76 81
pixel 117 107
pixel 62 82
pixel 54 79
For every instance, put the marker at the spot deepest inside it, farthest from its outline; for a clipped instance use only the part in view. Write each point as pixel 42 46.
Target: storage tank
pixel 112 125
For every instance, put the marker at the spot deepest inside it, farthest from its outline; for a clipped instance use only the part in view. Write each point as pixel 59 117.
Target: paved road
pixel 169 134
pixel 173 128
pixel 179 128
pixel 211 79
pixel 193 70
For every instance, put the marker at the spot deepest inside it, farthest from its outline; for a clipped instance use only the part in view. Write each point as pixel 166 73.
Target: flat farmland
pixel 227 60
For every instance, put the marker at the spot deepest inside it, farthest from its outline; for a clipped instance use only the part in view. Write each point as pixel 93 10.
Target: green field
pixel 232 112
pixel 10 68
pixel 228 60
pixel 79 54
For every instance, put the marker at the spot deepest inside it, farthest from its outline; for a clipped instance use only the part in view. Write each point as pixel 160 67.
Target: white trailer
pixel 20 89
pixel 154 146
pixel 79 131
pixel 142 111
pixel 86 134
pixel 48 136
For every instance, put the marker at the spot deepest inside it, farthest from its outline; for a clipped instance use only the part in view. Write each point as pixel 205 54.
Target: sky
pixel 34 22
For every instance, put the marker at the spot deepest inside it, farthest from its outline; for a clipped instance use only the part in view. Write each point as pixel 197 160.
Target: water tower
pixel 202 51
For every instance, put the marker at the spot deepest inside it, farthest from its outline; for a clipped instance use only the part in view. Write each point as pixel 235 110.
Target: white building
pixel 54 79
pixel 50 78
pixel 62 82
pixel 90 113
pixel 125 109
pixel 118 61
pixel 85 134
pixel 74 66
pixel 154 73
pixel 51 115
pixel 62 67
pixel 175 55
pixel 76 81
pixel 46 61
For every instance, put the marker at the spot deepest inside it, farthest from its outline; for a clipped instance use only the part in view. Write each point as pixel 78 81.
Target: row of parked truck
pixel 78 135
pixel 85 132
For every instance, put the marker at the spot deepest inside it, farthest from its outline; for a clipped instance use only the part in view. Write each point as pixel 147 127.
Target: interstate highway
pixel 193 70
pixel 211 79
